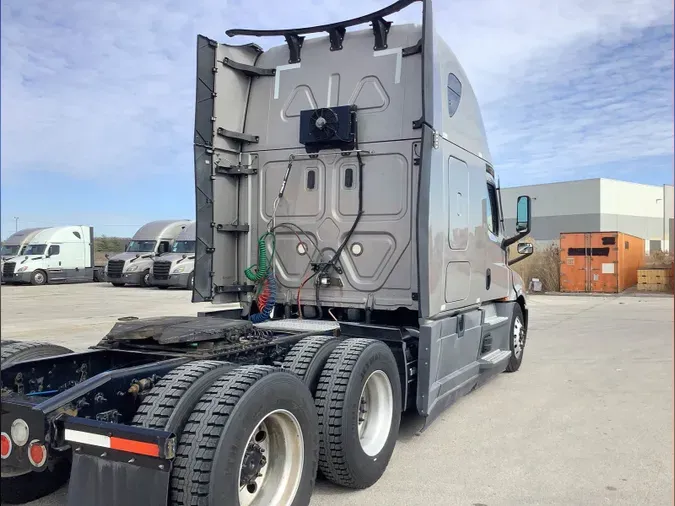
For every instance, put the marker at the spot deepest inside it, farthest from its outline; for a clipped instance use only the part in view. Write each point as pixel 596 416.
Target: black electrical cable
pixel 336 257
pixel 292 226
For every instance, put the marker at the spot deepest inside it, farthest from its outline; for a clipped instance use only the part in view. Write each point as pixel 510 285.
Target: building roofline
pixel 585 181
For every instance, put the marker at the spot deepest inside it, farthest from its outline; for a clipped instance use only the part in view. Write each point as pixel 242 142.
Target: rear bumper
pixel 178 280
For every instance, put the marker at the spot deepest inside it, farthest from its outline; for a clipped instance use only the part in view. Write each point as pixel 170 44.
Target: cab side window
pixel 454 94
pixel 492 209
pixel 54 250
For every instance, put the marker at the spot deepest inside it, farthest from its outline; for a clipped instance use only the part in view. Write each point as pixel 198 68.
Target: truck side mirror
pixel 525 248
pixel 523 214
pixel 106 255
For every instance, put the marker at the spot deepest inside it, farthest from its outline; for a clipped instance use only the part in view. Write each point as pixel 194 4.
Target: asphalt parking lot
pixel 588 419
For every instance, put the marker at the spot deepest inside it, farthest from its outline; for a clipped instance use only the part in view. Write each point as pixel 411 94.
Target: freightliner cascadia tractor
pixel 347 205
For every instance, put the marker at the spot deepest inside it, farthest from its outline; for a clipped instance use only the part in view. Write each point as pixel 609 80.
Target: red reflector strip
pixel 114 443
pixel 138 447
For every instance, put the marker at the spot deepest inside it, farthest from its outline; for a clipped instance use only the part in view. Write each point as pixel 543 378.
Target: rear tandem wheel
pixel 259 420
pixel 358 401
pixel 308 357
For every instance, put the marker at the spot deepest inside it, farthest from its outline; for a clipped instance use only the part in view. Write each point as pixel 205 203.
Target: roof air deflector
pixel 335 31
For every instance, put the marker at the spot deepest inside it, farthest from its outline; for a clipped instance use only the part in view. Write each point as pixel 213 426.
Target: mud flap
pixel 106 481
pixel 117 465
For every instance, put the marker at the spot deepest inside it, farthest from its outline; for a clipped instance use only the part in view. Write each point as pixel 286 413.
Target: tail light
pixel 19 432
pixel 5 445
pixel 37 453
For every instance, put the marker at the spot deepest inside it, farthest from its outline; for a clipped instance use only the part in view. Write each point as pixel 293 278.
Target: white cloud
pixel 105 89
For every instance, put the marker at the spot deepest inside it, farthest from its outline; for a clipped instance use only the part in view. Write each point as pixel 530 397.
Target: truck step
pixel 495 321
pixel 298 325
pixel 493 359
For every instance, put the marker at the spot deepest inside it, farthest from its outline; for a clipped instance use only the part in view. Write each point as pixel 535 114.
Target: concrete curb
pixel 614 295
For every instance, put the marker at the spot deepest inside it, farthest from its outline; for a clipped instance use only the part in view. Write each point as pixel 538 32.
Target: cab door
pixel 496 270
pixel 53 262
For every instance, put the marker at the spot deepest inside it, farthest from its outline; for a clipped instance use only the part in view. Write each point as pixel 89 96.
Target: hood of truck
pixel 177 258
pixel 131 256
pixel 30 263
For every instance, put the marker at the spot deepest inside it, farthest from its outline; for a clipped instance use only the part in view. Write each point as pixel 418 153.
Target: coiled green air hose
pixel 258 272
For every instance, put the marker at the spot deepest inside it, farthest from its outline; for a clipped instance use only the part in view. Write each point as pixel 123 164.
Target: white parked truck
pixel 176 268
pixel 15 244
pixel 346 205
pixel 55 255
pixel 153 239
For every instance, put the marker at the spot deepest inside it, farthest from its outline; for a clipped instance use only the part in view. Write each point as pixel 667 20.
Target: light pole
pixel 16 224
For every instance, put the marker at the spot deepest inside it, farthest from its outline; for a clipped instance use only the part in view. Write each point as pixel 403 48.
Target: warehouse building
pixel 597 205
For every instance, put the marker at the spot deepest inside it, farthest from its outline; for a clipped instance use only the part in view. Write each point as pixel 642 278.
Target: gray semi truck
pixel 150 241
pixel 176 268
pixel 346 201
pixel 15 245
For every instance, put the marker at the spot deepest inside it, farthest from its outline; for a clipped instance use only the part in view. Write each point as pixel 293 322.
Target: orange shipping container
pixel 603 262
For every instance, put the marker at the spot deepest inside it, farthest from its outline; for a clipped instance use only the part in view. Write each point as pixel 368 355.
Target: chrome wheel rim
pixel 375 413
pixel 518 337
pixel 272 464
pixel 39 278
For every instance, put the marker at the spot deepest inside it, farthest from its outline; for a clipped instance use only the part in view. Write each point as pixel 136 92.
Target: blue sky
pixel 98 97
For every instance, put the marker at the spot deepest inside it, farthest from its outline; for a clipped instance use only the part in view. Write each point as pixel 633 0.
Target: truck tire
pixel 145 279
pixel 358 403
pixel 39 277
pixel 517 337
pixel 252 423
pixel 28 350
pixel 5 342
pixel 32 486
pixel 308 357
pixel 191 281
pixel 169 403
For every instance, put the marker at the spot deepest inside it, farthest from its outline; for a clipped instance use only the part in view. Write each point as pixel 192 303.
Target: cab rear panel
pixel 321 196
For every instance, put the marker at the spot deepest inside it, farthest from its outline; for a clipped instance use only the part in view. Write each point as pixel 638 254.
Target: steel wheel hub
pixel 375 413
pixel 518 336
pixel 271 467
